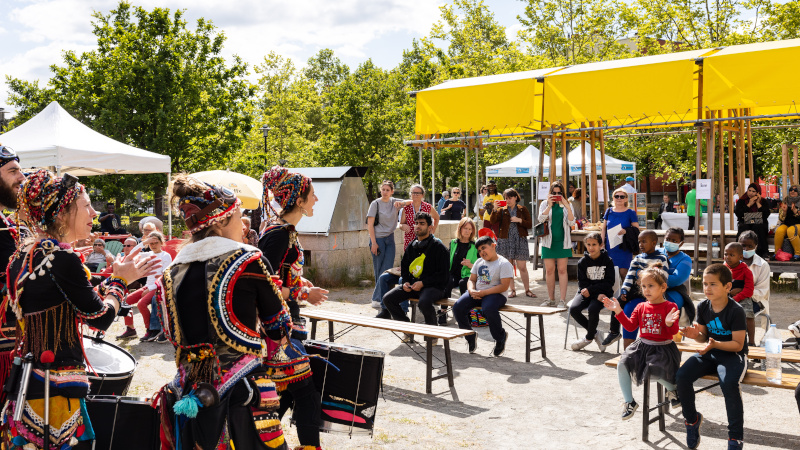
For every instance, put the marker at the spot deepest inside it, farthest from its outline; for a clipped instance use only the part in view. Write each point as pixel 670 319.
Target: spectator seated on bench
pixel 721 324
pixel 424 270
pixel 760 270
pixel 463 255
pixel 596 276
pixel 489 279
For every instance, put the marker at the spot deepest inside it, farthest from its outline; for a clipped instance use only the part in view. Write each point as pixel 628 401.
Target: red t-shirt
pixel 649 319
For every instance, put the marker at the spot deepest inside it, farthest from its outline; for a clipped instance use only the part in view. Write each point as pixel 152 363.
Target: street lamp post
pixel 265 130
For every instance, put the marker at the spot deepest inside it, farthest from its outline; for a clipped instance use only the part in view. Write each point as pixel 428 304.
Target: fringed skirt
pixel 655 359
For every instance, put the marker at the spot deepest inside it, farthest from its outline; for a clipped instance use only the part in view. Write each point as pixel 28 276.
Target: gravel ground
pixel 569 399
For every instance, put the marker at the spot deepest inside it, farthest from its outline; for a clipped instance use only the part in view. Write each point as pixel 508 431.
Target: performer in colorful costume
pixel 289 366
pixel 223 313
pixel 50 294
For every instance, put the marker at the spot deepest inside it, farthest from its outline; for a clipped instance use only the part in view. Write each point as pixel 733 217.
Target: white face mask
pixel 748 253
pixel 671 247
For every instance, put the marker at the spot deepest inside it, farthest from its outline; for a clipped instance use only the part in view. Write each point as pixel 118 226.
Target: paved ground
pixel 569 400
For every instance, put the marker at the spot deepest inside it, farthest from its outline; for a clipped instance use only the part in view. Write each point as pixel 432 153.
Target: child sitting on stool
pixel 595 277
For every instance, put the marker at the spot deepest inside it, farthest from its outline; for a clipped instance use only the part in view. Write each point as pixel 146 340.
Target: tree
pixel 154 84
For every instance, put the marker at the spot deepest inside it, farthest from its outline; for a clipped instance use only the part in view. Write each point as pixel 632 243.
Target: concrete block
pixel 350 240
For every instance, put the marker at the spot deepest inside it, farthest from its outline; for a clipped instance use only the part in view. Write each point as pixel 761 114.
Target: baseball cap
pixel 629 179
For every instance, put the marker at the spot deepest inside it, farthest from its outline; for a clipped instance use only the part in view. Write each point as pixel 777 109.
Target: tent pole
pixel 584 192
pixel 433 176
pixel 593 171
pixel 606 203
pixel 721 142
pixel 466 175
pixel 710 174
pixel 169 207
pixel 477 176
pixel 420 160
pixel 697 201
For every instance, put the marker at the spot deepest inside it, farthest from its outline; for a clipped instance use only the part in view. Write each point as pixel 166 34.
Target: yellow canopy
pixel 504 103
pixel 660 88
pixel 761 76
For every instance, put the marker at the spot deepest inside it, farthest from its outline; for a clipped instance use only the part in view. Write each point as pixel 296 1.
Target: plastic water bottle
pixel 772 346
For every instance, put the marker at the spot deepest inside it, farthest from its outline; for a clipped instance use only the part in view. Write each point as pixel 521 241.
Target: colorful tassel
pixel 188 406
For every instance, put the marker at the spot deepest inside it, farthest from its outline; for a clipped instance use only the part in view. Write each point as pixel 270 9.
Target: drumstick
pixel 47 358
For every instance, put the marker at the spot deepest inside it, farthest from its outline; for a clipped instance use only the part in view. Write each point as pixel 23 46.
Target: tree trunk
pixel 158 205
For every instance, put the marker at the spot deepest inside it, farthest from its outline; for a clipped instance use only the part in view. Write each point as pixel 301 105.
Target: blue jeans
pixel 155 324
pixel 730 368
pixel 386 282
pixel 383 262
pixel 490 308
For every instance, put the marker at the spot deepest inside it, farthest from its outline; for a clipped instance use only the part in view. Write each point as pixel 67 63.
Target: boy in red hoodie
pixel 743 285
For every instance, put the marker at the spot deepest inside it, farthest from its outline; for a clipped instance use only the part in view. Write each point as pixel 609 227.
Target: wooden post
pixel 784 167
pixel 740 156
pixel 583 174
pixel 721 185
pixel 552 177
pixel 465 191
pixel 731 162
pixel 749 155
pixel 423 148
pixel 433 173
pixel 711 173
pixel 564 163
pixel 795 169
pixel 606 201
pixel 593 171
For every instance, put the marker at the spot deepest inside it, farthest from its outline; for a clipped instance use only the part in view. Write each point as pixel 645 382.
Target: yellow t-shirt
pixel 490 199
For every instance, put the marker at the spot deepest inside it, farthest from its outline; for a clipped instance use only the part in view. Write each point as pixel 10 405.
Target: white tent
pixel 525 164
pixel 53 138
pixel 614 166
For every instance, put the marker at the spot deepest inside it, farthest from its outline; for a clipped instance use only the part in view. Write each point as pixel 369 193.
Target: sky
pixel 35 33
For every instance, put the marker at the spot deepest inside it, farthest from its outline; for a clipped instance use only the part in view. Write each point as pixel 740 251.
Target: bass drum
pixel 113 365
pixel 122 423
pixel 349 395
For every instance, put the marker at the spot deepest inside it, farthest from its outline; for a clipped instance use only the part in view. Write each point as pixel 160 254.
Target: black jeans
pixel 426 296
pixel 615 325
pixel 304 400
pixel 592 307
pixel 797 397
pixel 691 223
pixel 730 368
pixel 456 281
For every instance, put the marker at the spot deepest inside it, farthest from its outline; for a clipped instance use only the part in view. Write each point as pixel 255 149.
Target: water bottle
pixel 772 346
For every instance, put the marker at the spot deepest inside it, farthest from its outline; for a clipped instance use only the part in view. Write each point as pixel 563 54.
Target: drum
pixel 122 423
pixel 349 395
pixel 113 365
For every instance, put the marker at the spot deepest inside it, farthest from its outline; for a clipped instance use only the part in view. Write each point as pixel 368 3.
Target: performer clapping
pixel 50 293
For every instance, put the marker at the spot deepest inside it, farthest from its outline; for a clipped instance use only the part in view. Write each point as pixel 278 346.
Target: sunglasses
pixel 98 245
pixel 7 152
pixel 127 245
pixel 416 193
pixel 621 197
pixel 792 190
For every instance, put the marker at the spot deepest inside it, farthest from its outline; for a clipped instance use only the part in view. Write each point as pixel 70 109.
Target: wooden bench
pixel 430 332
pixel 752 377
pixel 528 311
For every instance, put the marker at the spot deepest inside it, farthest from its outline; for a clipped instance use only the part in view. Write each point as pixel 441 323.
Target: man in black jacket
pixel 424 270
pixel 666 206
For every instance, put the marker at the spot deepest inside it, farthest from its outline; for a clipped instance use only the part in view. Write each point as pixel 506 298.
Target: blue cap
pixel 629 179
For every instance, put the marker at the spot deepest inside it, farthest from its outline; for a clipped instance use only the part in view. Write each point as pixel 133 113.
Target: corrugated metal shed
pixel 342 204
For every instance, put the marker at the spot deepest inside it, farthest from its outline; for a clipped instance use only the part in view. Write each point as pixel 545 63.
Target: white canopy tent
pixel 55 139
pixel 525 164
pixel 614 166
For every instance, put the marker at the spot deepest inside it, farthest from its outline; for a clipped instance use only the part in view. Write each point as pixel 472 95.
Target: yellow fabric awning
pixel 660 88
pixel 760 76
pixel 504 103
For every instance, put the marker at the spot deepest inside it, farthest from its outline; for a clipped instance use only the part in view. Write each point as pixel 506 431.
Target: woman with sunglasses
pixel 50 293
pixel 752 210
pixel 788 221
pixel 556 245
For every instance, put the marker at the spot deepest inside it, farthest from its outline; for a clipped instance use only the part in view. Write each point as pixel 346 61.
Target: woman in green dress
pixel 557 245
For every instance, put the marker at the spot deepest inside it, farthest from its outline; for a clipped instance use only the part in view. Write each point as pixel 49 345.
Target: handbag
pixel 781 255
pixel 541 229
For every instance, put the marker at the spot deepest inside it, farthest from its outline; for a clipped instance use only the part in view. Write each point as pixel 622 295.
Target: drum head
pixel 107 358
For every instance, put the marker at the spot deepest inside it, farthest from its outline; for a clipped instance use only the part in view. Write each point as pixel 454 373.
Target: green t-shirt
pixel 691 197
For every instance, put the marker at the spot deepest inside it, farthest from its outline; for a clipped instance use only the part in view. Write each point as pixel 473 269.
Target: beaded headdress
pixel 43 196
pixel 286 188
pixel 213 205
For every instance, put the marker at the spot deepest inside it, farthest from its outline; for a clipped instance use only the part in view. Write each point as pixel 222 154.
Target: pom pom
pixel 51 256
pixel 33 276
pixel 49 264
pixel 188 406
pixel 73 442
pixel 41 272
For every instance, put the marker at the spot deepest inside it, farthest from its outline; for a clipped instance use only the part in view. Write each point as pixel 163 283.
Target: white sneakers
pixel 580 344
pixel 377 305
pixel 550 303
pixel 598 338
pixel 795 329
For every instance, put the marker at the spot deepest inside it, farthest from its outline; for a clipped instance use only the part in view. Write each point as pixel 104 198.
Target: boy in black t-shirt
pixel 721 325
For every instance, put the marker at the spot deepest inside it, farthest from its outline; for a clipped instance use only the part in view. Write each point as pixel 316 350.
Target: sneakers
pixel 734 444
pixel 561 304
pixel 549 303
pixel 150 336
pixel 472 345
pixel 598 338
pixel 129 333
pixel 500 346
pixel 795 329
pixel 161 338
pixel 611 338
pixel 442 317
pixel 580 344
pixel 693 432
pixel 377 305
pixel 384 314
pixel 407 338
pixel 672 398
pixel 629 409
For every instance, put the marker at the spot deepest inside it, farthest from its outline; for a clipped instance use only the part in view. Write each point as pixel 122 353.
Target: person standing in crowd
pixel 424 269
pixel 576 200
pixel 735 194
pixel 665 206
pixel 98 256
pixel 788 221
pixel 691 199
pixel 142 297
pixel 445 197
pixel 752 211
pixel 280 244
pixel 628 186
pixel 222 312
pixel 513 222
pixel 490 277
pixel 249 235
pixel 51 295
pixel 488 202
pixel 110 222
pixel 410 211
pixel 557 244
pixel 595 277
pixel 454 208
pixel 478 209
pixel 381 223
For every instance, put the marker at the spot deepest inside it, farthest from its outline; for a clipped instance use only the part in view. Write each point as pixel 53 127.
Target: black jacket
pixel 666 207
pixel 435 267
pixel 630 241
pixel 596 275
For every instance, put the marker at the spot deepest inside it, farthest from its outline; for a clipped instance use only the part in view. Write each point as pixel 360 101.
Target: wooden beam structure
pixel 593 171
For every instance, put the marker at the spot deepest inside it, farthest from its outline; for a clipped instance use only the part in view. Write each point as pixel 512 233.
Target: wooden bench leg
pixel 313 329
pixel 527 338
pixel 541 335
pixel 449 362
pixel 429 366
pixel 646 411
pixel 413 311
pixel 330 330
pixel 662 409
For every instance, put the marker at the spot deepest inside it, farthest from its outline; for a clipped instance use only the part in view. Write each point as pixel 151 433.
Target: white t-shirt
pixel 166 260
pixel 628 188
pixel 490 273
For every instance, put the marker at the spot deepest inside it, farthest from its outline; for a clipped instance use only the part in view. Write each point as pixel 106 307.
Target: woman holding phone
pixel 556 245
pixel 752 210
pixel 513 221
